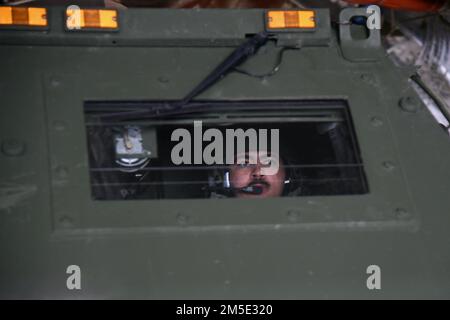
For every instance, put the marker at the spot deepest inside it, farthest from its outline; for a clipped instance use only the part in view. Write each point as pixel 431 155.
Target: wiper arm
pixel 238 56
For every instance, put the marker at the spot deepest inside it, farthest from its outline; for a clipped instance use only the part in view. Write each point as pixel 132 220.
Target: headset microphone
pixel 251 190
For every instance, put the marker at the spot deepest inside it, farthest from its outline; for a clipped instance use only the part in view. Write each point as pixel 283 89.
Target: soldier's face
pixel 250 174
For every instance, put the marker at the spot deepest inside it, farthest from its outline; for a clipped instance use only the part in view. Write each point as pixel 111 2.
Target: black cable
pixel 238 56
pixel 274 70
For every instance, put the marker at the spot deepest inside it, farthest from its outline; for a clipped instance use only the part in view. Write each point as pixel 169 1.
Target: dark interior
pixel 320 155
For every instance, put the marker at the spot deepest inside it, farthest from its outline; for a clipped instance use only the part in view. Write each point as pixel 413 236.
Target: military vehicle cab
pixel 127 139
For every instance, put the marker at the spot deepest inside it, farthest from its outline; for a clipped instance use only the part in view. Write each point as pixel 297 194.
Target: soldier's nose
pixel 257 171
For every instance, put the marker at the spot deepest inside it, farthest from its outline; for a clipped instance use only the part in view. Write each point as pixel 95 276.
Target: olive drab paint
pixel 298 247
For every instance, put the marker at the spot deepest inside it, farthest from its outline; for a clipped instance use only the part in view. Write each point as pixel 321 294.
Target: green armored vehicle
pixel 132 146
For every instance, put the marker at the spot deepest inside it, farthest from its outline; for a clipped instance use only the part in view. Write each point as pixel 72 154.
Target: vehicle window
pixel 208 151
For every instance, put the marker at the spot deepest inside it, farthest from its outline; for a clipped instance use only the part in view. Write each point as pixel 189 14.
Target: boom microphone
pixel 251 190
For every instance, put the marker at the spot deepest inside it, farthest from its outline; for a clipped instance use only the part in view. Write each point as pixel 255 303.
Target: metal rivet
pixel 163 79
pixel 59 125
pixel 366 77
pixel 388 165
pixel 13 148
pixel 293 215
pixel 376 122
pixel 402 214
pixel 182 219
pixel 62 172
pixel 55 82
pixel 65 221
pixel 409 104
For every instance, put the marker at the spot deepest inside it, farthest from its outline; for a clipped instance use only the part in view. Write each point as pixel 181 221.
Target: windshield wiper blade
pixel 238 56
